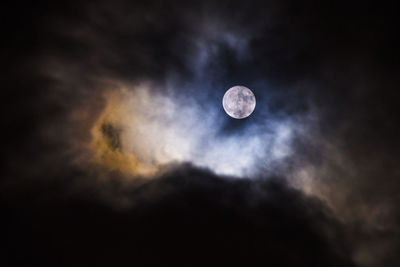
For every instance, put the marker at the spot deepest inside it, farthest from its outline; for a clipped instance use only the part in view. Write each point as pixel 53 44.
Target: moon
pixel 239 102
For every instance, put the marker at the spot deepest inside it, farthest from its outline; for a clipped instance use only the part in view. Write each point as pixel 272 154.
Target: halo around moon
pixel 239 102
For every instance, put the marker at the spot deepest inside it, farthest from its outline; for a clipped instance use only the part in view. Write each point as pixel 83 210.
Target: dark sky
pixel 117 152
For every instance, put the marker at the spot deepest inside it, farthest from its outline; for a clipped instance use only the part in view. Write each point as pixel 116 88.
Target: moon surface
pixel 239 102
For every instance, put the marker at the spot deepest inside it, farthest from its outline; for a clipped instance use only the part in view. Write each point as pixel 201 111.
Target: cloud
pixel 129 90
pixel 141 129
pixel 173 221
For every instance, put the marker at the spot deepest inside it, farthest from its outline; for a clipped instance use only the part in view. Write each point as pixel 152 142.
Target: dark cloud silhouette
pixel 187 217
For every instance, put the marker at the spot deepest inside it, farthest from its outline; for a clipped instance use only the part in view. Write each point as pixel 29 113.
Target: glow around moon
pixel 239 102
pixel 140 133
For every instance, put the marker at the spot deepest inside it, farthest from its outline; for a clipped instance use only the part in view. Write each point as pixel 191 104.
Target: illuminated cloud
pixel 141 130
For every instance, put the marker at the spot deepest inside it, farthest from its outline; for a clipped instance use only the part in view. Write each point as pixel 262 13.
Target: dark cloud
pixel 112 135
pixel 187 217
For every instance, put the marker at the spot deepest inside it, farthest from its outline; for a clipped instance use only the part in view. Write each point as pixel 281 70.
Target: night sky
pixel 117 150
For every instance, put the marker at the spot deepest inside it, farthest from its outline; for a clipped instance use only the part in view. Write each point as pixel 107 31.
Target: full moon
pixel 239 102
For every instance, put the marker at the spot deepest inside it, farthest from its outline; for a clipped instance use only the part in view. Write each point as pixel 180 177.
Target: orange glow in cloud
pixel 107 142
